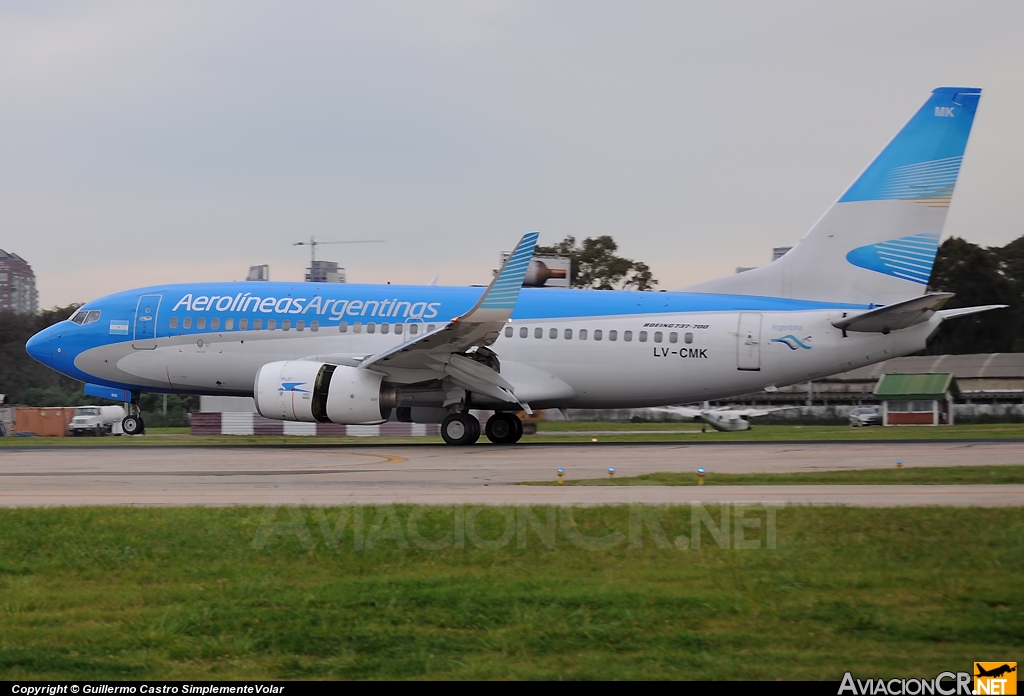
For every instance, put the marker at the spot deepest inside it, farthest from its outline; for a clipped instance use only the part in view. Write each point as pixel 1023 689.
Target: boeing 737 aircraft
pixel 851 293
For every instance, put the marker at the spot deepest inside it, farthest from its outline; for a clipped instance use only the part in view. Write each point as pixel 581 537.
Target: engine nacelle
pixel 315 392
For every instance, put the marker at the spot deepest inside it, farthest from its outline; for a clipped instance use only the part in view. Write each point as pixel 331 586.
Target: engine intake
pixel 315 392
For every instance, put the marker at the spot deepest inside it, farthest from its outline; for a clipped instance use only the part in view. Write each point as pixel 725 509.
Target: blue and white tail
pixel 877 243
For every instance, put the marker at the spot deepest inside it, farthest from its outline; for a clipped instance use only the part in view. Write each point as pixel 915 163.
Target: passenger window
pixel 286 324
pixel 201 323
pixel 657 337
pixel 174 322
pixel 613 335
pixel 243 324
pixel 673 337
pixel 688 337
pixel 314 326
pixel 553 333
pixel 627 336
pixel 414 329
pixel 398 329
pixel 508 332
pixel 188 322
pixel 523 332
pixel 371 327
pixel 343 327
pixel 257 324
pixel 538 332
pixel 568 334
pixel 215 323
pixel 300 325
pixel 229 324
pixel 357 327
pixel 385 328
pixel 271 324
pixel 598 333
pixel 643 337
pixel 431 327
pixel 583 334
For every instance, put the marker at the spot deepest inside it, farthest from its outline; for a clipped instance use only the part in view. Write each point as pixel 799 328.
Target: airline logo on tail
pixel 910 258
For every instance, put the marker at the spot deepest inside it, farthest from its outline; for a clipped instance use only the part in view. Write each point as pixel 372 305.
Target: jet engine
pixel 300 390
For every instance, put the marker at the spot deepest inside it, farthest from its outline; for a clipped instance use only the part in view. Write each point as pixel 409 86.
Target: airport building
pixel 325 272
pixel 17 285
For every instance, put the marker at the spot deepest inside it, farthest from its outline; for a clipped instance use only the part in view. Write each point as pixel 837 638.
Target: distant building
pixel 259 272
pixel 325 272
pixel 779 252
pixel 17 285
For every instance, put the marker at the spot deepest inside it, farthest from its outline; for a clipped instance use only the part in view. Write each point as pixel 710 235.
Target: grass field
pixel 101 593
pixel 555 432
pixel 945 475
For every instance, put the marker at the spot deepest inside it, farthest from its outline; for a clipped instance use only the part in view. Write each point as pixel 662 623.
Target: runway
pixel 482 474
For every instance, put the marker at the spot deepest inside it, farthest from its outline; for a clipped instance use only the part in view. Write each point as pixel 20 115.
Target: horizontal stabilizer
pixel 895 316
pixel 962 311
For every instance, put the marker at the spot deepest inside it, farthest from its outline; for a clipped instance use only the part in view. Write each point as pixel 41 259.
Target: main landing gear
pixel 464 429
pixel 504 428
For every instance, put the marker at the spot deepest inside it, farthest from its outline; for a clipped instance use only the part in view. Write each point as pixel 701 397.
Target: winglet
pixel 498 301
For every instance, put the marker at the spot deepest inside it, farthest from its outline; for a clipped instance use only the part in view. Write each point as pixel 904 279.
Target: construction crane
pixel 313 244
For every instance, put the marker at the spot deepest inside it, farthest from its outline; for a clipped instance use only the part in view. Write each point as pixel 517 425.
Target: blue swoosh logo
pixel 293 387
pixel 792 342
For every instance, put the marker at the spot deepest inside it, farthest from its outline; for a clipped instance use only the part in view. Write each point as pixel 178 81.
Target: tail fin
pixel 877 243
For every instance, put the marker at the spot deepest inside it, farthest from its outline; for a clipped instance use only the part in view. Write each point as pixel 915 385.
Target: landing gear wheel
pixel 460 429
pixel 133 425
pixel 504 429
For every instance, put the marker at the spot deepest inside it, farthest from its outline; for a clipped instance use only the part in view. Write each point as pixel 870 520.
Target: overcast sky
pixel 177 141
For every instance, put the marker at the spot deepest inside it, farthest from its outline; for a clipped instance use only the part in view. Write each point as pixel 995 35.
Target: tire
pixel 132 425
pixel 503 429
pixel 96 432
pixel 460 429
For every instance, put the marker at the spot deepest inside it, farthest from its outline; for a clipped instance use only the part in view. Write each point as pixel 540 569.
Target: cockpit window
pixel 85 316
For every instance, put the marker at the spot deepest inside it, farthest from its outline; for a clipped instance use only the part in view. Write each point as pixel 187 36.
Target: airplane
pixel 851 293
pixel 995 671
pixel 724 419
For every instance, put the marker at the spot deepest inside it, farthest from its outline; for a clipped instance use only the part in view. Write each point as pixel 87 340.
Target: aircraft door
pixel 748 342
pixel 145 322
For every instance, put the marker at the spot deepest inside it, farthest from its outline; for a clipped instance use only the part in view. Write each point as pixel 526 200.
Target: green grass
pixel 182 593
pixel 944 475
pixel 548 434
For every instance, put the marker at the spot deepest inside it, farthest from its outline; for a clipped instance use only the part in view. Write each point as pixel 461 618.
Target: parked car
pixel 96 420
pixel 865 416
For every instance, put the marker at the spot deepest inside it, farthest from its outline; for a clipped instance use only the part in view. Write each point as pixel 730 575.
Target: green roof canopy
pixel 915 385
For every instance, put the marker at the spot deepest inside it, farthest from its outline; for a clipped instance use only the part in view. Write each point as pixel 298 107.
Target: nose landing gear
pixel 133 423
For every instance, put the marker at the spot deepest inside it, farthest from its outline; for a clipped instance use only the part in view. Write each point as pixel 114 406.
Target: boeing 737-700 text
pixel 852 292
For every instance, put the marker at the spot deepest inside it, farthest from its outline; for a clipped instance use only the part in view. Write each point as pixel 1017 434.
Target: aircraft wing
pixel 755 412
pixel 684 411
pixel 440 349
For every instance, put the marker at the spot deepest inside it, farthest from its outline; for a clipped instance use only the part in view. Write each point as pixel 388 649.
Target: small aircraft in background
pixel 724 418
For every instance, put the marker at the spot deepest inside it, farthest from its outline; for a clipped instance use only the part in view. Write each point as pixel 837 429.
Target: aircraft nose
pixel 39 346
